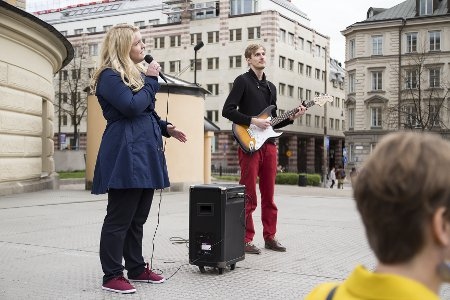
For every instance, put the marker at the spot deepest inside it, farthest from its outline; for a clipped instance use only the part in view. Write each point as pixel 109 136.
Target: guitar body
pixel 251 138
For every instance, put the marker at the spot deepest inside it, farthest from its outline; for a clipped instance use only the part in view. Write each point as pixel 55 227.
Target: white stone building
pixel 296 62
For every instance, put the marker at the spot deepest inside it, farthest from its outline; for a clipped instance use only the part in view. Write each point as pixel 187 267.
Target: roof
pixel 210 126
pixel 405 10
pixel 50 28
pixel 290 6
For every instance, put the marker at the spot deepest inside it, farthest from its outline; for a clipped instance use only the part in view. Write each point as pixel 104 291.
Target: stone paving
pixel 49 247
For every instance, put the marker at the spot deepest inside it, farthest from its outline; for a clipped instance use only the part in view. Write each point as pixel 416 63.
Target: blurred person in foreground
pixel 403 197
pixel 130 162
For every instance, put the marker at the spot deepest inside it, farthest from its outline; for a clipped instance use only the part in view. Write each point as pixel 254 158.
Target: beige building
pixel 296 53
pixel 398 67
pixel 31 53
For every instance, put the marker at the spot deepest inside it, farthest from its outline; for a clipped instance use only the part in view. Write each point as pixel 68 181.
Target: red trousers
pixel 262 164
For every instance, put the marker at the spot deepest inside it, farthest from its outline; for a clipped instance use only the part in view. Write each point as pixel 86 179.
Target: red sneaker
pixel 148 276
pixel 119 285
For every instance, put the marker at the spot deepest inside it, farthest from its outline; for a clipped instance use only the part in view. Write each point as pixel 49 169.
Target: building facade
pixel 298 63
pixel 398 67
pixel 32 52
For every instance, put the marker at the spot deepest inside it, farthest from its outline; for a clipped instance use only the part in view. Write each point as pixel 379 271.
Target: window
pixel 213 63
pixel 290 64
pixel 300 68
pixel 64 32
pixel 174 66
pixel 377 45
pixel 300 93
pixel 375 117
pixel 308 95
pixel 308 120
pixel 308 71
pixel 411 79
pixel 199 64
pixel 411 42
pixel 351 49
pixel 301 43
pixel 337 101
pixel 238 7
pixel 281 89
pixel 64 97
pixel 282 36
pixel 317 50
pixel 64 120
pixel 317 121
pixel 153 22
pixel 282 62
pixel 331 121
pixel 290 91
pixel 351 152
pixel 435 77
pixel 175 41
pixel 308 46
pixel 235 35
pixel 78 31
pixel 291 39
pixel 434 115
pixel 351 118
pixel 351 83
pixel 236 61
pixel 213 89
pixel 140 24
pixel 317 74
pixel 159 42
pixel 377 80
pixel 76 73
pixel 213 37
pixel 91 29
pixel 435 40
pixel 64 74
pixel 93 49
pixel 196 38
pixel 336 124
pixel 254 33
pixel 212 115
pixel 411 116
pixel 106 27
pixel 425 7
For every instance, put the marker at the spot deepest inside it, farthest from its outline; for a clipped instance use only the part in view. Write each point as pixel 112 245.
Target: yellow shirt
pixel 366 285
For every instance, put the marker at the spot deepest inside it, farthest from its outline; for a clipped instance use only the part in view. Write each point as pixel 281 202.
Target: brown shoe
pixel 251 248
pixel 274 245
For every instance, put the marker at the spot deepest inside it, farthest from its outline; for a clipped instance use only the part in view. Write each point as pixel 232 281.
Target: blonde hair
pixel 115 55
pixel 251 49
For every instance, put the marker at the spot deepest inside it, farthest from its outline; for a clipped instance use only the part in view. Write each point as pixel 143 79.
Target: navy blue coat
pixel 131 151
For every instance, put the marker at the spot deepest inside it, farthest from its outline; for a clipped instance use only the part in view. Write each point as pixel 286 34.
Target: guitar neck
pixel 289 113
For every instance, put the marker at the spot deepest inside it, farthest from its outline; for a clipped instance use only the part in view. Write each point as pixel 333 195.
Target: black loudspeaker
pixel 216 225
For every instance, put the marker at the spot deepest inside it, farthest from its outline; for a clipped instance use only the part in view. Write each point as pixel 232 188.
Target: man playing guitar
pixel 250 95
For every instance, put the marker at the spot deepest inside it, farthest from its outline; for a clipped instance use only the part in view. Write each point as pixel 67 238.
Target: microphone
pixel 148 58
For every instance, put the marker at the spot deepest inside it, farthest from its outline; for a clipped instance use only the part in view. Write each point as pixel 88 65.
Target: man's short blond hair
pixel 251 49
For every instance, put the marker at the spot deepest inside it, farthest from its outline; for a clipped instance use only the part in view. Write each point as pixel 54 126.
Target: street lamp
pixel 196 48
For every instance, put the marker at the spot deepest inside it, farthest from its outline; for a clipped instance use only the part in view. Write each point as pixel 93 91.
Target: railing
pixel 224 171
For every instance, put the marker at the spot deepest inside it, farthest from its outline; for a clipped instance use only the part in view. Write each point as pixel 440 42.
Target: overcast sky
pixel 328 17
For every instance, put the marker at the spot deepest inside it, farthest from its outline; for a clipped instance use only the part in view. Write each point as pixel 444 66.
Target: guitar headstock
pixel 322 99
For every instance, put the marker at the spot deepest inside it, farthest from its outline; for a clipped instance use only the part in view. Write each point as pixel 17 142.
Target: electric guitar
pixel 251 138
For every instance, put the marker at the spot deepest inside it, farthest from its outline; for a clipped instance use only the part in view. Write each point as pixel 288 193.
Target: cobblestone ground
pixel 49 247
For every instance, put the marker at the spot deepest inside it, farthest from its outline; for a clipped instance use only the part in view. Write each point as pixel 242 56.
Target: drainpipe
pixel 400 73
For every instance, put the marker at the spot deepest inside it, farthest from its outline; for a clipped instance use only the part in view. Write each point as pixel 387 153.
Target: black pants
pixel 332 183
pixel 122 231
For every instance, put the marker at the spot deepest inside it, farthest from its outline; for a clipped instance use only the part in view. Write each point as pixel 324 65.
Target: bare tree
pixel 72 86
pixel 422 104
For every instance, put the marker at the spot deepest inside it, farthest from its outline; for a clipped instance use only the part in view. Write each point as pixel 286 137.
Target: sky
pixel 329 17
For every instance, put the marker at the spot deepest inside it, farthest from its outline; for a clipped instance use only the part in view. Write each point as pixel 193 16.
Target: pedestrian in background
pixel 332 177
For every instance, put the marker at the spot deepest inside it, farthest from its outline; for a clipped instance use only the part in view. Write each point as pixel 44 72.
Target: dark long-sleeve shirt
pixel 249 97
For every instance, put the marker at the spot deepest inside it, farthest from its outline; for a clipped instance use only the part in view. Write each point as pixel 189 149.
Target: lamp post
pixel 325 116
pixel 196 48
